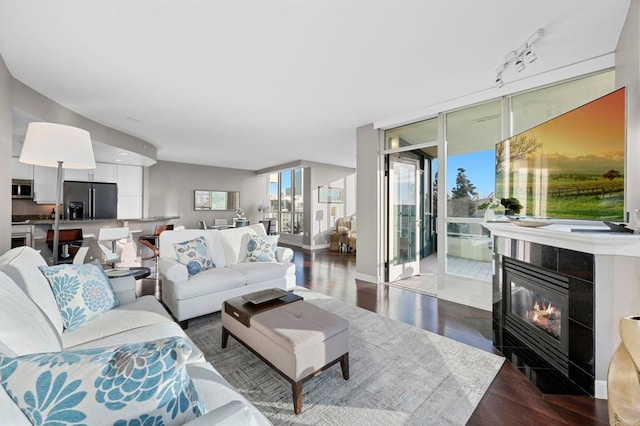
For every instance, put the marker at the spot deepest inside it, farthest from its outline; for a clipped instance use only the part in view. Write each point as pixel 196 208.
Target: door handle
pixel 93 207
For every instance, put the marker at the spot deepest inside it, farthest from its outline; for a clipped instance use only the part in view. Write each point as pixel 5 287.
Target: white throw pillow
pixel 81 291
pixel 140 383
pixel 24 329
pixel 194 254
pixel 261 248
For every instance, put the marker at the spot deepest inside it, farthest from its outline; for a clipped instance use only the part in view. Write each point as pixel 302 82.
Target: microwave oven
pixel 22 188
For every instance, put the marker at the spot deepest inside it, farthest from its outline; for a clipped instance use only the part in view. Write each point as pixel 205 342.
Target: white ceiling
pixel 255 83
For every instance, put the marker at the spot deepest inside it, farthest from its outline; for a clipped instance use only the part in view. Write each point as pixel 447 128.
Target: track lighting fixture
pixel 519 63
pixel 517 57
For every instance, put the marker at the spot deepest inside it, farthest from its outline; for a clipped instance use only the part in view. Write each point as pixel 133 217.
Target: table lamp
pixel 334 213
pixel 57 145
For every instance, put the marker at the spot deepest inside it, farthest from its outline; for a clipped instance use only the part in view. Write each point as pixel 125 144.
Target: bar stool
pixel 152 242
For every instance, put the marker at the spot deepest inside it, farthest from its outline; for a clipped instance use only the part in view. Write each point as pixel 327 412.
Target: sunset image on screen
pixel 571 166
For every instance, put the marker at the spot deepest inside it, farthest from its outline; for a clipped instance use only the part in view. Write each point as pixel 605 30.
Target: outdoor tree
pixel 612 174
pixel 519 148
pixel 462 195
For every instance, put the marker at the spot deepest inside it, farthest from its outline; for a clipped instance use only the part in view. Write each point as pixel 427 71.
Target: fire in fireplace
pixel 537 310
pixel 533 311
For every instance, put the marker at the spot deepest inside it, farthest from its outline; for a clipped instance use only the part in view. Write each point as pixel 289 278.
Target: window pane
pixel 412 134
pixel 533 108
pixel 298 198
pixel 471 137
pixel 297 223
pixel 285 222
pixel 285 191
pixel 469 248
pixel 273 192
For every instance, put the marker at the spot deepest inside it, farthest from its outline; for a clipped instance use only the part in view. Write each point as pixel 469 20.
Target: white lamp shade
pixel 45 144
pixel 334 211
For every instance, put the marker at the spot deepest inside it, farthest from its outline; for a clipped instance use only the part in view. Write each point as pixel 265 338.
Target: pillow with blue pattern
pixel 261 248
pixel 194 254
pixel 81 292
pixel 140 383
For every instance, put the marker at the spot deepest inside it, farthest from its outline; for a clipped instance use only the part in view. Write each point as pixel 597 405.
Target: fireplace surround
pixel 543 320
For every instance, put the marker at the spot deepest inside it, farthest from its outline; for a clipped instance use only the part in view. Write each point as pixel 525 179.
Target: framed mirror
pixel 216 200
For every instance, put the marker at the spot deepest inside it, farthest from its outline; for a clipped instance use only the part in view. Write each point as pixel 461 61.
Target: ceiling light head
pixel 529 54
pixel 519 63
pixel 499 81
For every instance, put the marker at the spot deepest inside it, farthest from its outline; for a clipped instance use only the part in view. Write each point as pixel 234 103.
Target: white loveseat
pixel 31 324
pixel 203 293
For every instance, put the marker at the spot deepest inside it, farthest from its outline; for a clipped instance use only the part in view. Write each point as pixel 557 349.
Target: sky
pixel 479 168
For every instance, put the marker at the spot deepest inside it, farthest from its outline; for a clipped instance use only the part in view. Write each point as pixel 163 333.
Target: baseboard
pixel 367 278
pixel 600 389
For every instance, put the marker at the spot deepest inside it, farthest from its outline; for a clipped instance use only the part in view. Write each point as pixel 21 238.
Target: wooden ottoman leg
pixel 344 364
pixel 225 337
pixel 296 390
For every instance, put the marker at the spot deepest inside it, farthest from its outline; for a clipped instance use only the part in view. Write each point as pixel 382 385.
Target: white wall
pixel 628 74
pixel 171 186
pixel 369 201
pixel 335 177
pixel 6 126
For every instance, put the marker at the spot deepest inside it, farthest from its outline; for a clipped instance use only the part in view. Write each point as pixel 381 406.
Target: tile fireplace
pixel 558 296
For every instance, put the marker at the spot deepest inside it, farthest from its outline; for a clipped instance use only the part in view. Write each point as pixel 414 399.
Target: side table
pixel 333 237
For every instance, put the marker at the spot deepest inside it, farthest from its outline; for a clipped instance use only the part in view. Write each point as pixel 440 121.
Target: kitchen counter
pixel 91 221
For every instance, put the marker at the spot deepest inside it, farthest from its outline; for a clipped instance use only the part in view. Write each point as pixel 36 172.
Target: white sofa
pixel 31 324
pixel 203 293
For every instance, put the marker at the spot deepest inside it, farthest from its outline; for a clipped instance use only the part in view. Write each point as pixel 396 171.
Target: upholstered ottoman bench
pixel 299 340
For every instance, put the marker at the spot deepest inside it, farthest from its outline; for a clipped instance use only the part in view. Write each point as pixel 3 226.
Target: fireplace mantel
pixel 616 274
pixel 560 235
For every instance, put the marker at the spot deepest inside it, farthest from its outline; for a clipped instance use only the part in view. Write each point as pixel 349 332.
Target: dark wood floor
pixel 510 400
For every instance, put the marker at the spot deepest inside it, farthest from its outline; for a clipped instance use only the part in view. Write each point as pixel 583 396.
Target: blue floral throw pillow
pixel 194 254
pixel 81 292
pixel 142 383
pixel 262 248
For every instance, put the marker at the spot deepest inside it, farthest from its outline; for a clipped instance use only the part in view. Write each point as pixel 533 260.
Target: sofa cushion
pixel 194 254
pixel 21 264
pixel 235 247
pixel 24 328
pixel 81 291
pixel 139 382
pixel 207 282
pixel 143 334
pixel 261 248
pixel 211 236
pixel 146 310
pixel 256 272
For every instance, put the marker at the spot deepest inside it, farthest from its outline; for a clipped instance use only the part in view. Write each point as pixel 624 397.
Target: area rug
pixel 399 374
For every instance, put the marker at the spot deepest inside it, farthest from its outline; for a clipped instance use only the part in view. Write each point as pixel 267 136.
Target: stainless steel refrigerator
pixel 90 200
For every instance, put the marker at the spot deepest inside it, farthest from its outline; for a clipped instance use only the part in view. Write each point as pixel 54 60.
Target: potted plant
pixel 511 205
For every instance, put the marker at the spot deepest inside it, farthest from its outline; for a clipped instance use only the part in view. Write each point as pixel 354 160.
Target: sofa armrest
pixel 284 254
pixel 124 288
pixel 172 270
pixel 234 412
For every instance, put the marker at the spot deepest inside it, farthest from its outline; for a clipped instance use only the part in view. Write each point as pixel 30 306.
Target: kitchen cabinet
pixel 104 172
pixel 44 184
pixel 129 179
pixel 21 170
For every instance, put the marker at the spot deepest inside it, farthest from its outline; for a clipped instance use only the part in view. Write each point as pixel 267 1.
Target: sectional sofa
pixel 34 341
pixel 234 273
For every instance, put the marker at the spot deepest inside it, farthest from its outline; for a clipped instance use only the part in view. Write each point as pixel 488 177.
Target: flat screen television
pixel 571 166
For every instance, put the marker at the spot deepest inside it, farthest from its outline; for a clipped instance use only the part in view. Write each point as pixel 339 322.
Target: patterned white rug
pixel 399 374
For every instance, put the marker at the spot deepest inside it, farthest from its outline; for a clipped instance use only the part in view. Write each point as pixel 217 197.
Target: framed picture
pixel 216 200
pixel 326 194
